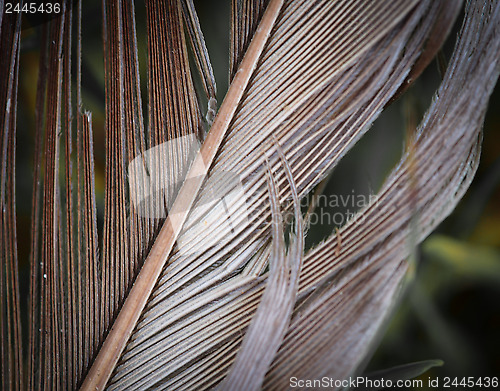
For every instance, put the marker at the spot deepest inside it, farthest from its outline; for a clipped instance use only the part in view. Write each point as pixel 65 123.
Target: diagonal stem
pixel 122 328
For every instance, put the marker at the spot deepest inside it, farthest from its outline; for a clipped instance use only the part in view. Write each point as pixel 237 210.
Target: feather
pixel 452 129
pixel 201 56
pixel 10 326
pixel 34 298
pixel 270 322
pixel 154 331
pixel 147 277
pixel 190 284
pixel 52 311
pixel 245 17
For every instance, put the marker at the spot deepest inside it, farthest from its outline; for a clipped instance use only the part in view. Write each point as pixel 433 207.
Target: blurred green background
pixel 450 310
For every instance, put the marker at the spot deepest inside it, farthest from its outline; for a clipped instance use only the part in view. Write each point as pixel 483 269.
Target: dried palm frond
pixel 190 283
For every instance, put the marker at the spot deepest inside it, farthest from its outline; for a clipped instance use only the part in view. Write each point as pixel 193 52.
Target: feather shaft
pixel 132 308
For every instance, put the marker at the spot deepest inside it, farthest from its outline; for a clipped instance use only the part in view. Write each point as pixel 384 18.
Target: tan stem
pixel 134 304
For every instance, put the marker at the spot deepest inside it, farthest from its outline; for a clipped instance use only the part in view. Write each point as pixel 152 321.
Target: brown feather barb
pixel 190 282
